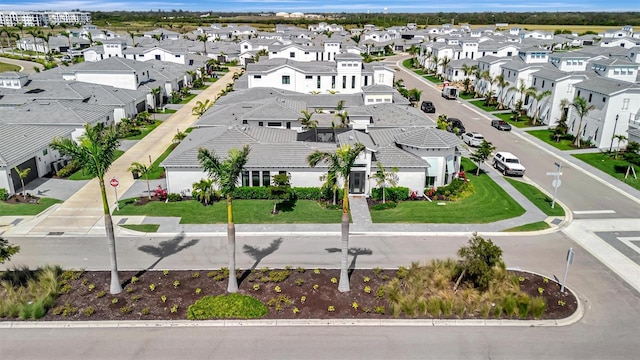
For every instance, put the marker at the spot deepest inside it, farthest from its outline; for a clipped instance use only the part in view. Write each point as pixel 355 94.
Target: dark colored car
pixel 501 125
pixel 456 126
pixel 428 107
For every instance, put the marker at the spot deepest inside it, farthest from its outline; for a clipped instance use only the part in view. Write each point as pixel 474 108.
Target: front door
pixel 357 182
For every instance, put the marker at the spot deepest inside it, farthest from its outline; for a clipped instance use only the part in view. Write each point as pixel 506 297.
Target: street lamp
pixel 614 133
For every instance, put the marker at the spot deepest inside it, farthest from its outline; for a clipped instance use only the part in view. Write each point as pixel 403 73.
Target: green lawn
pixel 433 79
pixel 613 167
pixel 8 67
pixel 540 225
pixel 481 105
pixel 145 130
pixel 522 123
pixel 545 135
pixel 148 228
pixel 26 209
pixel 80 175
pixel 467 96
pixel 489 203
pixel 187 99
pixel 156 171
pixel 244 212
pixel 537 197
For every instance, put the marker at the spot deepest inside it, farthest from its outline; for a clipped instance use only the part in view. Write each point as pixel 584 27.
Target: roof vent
pixel 351 137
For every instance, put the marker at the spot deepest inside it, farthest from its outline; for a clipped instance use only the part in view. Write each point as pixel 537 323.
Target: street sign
pixel 570 255
pixel 554 173
pixel 114 182
pixel 556 183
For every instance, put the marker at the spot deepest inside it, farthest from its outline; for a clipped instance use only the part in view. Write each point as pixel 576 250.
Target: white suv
pixel 508 164
pixel 473 138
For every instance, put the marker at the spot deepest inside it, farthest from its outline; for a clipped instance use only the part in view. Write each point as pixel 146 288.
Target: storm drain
pixel 56 232
pixel 122 221
pixel 16 221
pixel 556 221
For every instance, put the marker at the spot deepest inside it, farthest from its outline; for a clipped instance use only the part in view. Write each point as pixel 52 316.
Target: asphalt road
pixel 578 191
pixel 608 329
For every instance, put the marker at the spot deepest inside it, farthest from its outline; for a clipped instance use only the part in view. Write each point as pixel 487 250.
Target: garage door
pixel 33 174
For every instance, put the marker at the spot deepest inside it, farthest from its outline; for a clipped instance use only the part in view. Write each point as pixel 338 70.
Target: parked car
pixel 473 138
pixel 508 164
pixel 501 125
pixel 66 58
pixel 455 126
pixel 428 107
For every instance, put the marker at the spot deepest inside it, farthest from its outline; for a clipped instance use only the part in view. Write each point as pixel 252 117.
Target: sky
pixel 326 6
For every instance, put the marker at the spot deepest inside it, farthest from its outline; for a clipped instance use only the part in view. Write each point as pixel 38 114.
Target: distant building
pixel 41 18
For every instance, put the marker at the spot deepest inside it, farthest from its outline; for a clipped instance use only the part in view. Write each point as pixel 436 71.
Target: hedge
pixel 392 193
pixel 301 193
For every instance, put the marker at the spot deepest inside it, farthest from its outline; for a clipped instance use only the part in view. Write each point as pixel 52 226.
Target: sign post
pixel 570 256
pixel 114 184
pixel 555 182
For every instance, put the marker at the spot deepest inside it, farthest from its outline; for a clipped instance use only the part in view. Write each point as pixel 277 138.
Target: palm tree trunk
pixel 343 285
pixel 578 133
pixel 116 288
pixel 232 287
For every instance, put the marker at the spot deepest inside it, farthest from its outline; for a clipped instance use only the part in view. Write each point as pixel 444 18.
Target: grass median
pixel 614 167
pixel 537 197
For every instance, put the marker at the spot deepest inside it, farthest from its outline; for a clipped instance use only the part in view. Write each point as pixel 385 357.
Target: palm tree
pixel 344 119
pixel 435 60
pixel 308 123
pixel 341 163
pixel 142 169
pixel 384 178
pixel 619 137
pixel 444 62
pixel 414 96
pixel 46 38
pixel 204 38
pixel 201 107
pixel 95 151
pixel 35 33
pixel 20 28
pixel 583 108
pixel 158 37
pixel 226 173
pixel 22 174
pixel 178 137
pixel 537 96
pixel 155 92
pixel 203 191
pixel 477 76
pixel 9 35
pixel 133 37
pixel 500 81
pixel 467 70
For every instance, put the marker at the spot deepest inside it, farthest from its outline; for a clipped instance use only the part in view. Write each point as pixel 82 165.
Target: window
pixel 245 178
pixel 260 123
pixel 430 181
pixel 353 82
pixel 366 81
pixel 266 178
pixel 543 84
pixel 177 56
pixel 604 99
pixel 45 151
pixel 255 178
pixel 380 78
pixel 288 124
pixel 274 124
pixel 344 81
pixel 286 79
pixel 590 96
pixel 625 104
pixel 333 82
pixel 257 76
pixel 157 57
pixel 318 82
pixel 292 54
pixel 308 77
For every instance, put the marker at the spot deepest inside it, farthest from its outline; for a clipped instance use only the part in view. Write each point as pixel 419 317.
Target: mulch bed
pixel 19 199
pixel 136 297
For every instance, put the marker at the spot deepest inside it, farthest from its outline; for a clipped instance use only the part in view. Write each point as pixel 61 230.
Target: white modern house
pixel 347 75
pixel 113 71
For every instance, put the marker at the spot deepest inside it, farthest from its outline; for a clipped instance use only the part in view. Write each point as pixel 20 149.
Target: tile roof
pixel 18 141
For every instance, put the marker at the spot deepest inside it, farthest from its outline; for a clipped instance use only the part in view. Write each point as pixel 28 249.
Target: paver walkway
pixel 82 213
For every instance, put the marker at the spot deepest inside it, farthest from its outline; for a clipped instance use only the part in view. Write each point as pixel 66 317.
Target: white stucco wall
pixel 5 183
pixel 119 80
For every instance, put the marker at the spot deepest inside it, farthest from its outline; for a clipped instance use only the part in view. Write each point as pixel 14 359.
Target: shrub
pixel 457 189
pixel 69 169
pixel 280 302
pixel 480 258
pixel 4 194
pixel 88 311
pixel 229 306
pixel 390 194
pixel 251 192
pixel 101 293
pixel 538 306
pixel 308 193
pixel 173 197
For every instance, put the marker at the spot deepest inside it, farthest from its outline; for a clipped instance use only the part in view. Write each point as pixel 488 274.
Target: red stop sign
pixel 114 182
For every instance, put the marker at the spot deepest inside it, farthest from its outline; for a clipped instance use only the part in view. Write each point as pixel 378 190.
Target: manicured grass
pixel 481 105
pixel 157 171
pixel 8 67
pixel 145 130
pixel 433 79
pixel 540 225
pixel 244 212
pixel 187 99
pixel 545 135
pixel 80 175
pixel 147 228
pixel 467 96
pixel 26 209
pixel 522 123
pixel 537 197
pixel 489 203
pixel 613 167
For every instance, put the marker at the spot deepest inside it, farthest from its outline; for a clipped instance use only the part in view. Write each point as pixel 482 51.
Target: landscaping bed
pixel 138 302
